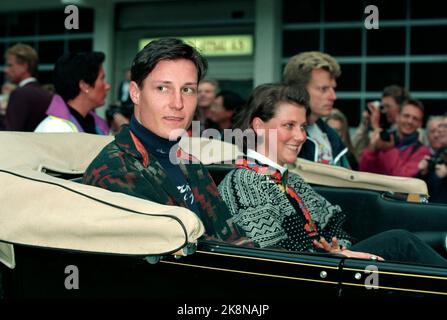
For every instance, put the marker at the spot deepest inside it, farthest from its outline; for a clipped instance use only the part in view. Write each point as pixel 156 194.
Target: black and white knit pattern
pixel 267 216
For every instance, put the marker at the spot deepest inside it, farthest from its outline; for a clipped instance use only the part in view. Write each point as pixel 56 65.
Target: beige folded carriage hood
pixel 40 210
pixel 322 174
pixel 214 151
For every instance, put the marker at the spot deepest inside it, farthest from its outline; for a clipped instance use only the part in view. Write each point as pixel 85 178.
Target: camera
pixel 440 157
pixel 384 124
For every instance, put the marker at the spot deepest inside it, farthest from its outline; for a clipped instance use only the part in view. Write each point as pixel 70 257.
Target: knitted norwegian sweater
pixel 267 216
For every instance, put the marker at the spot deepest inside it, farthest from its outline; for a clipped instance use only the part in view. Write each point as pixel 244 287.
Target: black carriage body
pixel 219 271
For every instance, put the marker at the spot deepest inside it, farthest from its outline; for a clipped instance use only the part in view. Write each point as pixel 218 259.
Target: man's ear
pixel 134 92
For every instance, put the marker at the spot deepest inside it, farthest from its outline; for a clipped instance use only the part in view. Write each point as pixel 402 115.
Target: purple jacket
pixel 58 108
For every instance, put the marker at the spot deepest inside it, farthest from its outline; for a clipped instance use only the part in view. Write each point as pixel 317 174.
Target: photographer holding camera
pixel 400 156
pixel 433 169
pixel 379 115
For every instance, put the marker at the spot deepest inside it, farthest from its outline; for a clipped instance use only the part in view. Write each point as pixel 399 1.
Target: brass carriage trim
pixel 269 260
pixel 248 272
pixel 398 274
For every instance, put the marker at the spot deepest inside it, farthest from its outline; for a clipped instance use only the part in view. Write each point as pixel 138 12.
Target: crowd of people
pixel 165 90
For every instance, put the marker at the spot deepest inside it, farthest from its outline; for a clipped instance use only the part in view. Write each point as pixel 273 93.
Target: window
pixel 428 76
pixel 350 110
pixel 378 57
pixel 423 40
pixel 45 77
pixel 295 42
pixel 350 77
pixel 381 75
pixel 21 24
pixel 301 11
pixel 50 51
pixel 346 10
pixel 343 42
pixel 390 10
pixel 51 22
pixel 386 41
pixel 45 31
pixel 427 9
pixel 79 45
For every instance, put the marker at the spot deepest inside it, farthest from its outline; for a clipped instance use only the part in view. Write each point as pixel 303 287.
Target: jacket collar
pixel 264 160
pixel 411 140
pixel 261 164
pixel 24 82
pixel 131 145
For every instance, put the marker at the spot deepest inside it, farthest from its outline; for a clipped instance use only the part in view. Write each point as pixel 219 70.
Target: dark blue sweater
pixel 160 148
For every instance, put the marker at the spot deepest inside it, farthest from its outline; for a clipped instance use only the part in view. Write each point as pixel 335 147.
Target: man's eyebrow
pixel 162 81
pixel 170 82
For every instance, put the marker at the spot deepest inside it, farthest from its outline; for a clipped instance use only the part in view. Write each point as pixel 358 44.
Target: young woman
pixel 337 121
pixel 277 209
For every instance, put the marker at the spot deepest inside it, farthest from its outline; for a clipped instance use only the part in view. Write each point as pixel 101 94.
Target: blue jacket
pixel 309 150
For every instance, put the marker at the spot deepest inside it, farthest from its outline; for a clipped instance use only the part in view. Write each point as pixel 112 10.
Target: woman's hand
pixel 333 247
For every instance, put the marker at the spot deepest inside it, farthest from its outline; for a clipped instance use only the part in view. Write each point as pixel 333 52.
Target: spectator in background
pixel 28 103
pixel 397 152
pixel 382 116
pixel 337 121
pixel 118 115
pixel 81 87
pixel 433 169
pixel 123 90
pixel 7 88
pixel 317 72
pixel 433 132
pixel 224 107
pixel 207 94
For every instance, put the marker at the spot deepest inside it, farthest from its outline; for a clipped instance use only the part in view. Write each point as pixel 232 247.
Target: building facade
pixel 407 48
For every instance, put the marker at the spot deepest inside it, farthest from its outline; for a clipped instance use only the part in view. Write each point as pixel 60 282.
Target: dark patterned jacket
pixel 268 217
pixel 124 165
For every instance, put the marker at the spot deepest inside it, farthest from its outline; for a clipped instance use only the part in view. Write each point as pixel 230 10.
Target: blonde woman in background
pixel 337 121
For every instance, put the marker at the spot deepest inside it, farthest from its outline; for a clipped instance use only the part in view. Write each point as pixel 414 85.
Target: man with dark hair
pixel 81 87
pixel 383 116
pixel 164 80
pixel 224 107
pixel 27 104
pixel 317 72
pixel 400 155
